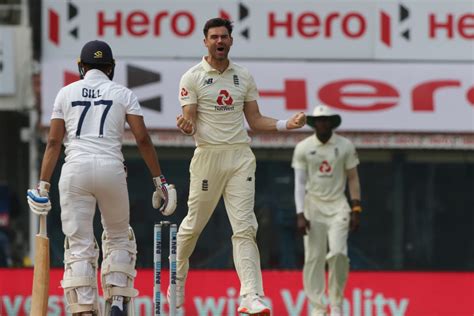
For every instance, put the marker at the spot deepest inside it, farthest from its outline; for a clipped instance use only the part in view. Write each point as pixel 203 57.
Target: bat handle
pixel 42 226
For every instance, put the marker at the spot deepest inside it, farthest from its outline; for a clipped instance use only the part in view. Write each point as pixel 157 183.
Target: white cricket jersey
pixel 325 165
pixel 220 101
pixel 94 111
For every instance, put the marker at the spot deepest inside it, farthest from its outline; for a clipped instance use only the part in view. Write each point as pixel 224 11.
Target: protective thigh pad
pixel 118 269
pixel 80 282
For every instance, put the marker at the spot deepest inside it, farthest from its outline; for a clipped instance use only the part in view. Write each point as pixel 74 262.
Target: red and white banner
pixel 216 293
pixel 371 97
pixel 417 30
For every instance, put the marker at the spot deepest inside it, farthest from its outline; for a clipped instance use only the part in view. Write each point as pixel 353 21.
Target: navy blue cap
pixel 96 52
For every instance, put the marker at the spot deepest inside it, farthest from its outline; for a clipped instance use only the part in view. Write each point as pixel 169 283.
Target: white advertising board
pixel 296 29
pixel 371 97
pixel 7 61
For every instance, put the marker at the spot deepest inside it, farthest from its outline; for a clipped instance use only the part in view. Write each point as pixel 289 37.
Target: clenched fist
pixel 186 126
pixel 298 120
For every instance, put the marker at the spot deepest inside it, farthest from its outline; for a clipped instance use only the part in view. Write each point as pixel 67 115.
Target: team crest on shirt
pixel 236 80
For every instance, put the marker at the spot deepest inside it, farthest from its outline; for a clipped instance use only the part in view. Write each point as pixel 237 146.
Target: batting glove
pixel 38 198
pixel 164 197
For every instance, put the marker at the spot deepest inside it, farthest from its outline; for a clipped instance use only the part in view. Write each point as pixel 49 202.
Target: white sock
pixel 118 301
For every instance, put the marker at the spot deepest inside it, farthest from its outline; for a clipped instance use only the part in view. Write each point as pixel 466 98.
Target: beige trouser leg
pixel 239 197
pixel 315 245
pixel 326 230
pixel 337 259
pixel 206 187
pixel 228 171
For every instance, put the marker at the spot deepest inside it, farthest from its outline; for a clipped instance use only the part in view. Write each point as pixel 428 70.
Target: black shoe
pixel 115 311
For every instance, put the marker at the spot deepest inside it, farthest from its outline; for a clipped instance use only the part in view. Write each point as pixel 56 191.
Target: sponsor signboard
pixel 7 62
pixel 217 293
pixel 417 30
pixel 371 97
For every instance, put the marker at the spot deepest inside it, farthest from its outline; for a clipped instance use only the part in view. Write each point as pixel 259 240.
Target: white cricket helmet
pixel 323 111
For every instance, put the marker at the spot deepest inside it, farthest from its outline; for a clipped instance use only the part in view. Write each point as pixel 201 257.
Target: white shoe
pixel 179 293
pixel 336 311
pixel 253 304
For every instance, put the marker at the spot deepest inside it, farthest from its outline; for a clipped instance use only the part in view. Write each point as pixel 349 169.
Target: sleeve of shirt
pixel 187 91
pixel 300 184
pixel 132 104
pixel 58 112
pixel 299 159
pixel 252 91
pixel 352 159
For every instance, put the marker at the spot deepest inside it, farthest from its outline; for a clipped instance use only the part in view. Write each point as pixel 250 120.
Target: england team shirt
pixel 220 101
pixel 94 111
pixel 325 165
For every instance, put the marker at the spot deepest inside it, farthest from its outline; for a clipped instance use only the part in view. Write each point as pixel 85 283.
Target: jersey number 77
pixel 87 105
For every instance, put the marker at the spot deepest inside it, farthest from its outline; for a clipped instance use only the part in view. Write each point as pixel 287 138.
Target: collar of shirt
pixel 95 74
pixel 331 140
pixel 208 68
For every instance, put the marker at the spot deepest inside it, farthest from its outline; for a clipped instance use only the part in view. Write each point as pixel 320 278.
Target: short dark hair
pixel 216 22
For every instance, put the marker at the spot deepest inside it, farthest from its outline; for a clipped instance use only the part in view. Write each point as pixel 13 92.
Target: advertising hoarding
pixel 367 30
pixel 216 293
pixel 371 97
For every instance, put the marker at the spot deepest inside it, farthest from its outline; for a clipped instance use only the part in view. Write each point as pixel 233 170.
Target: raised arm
pixel 260 123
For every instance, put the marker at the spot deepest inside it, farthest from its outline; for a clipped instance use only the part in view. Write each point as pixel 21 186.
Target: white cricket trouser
pixel 329 228
pixel 82 185
pixel 228 171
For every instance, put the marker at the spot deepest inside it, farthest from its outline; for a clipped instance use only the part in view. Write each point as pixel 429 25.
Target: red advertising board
pixel 215 293
pixel 356 29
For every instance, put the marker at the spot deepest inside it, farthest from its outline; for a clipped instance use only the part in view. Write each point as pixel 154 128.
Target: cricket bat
pixel 40 292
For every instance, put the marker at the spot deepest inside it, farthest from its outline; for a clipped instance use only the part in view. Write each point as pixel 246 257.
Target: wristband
pixel 158 181
pixel 357 208
pixel 281 125
pixel 44 186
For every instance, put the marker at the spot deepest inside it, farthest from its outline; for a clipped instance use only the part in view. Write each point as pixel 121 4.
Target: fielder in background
pixel 215 96
pixel 90 115
pixel 323 163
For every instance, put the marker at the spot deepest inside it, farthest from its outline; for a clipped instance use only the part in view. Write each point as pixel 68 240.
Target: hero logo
pixel 385 25
pixel 141 23
pixel 355 25
pixel 309 24
pixel 55 24
pixel 242 19
pixel 440 25
pixel 364 95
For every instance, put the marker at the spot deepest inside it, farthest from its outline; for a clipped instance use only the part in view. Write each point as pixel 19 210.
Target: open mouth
pixel 220 49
